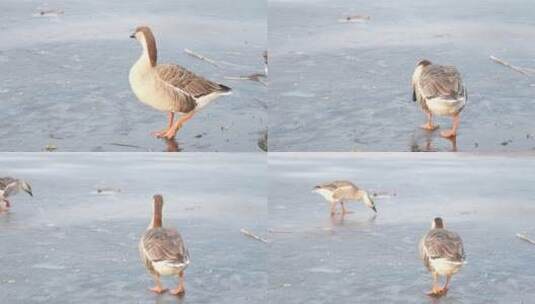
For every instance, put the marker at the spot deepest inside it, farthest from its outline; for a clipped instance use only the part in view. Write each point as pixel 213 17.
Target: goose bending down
pixel 163 251
pixel 338 192
pixel 442 252
pixel 440 91
pixel 10 186
pixel 169 87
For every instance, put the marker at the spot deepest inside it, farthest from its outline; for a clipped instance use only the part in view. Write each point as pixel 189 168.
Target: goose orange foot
pixel 437 292
pixel 448 134
pixel 171 133
pixel 158 289
pixel 178 291
pixel 429 127
pixel 160 134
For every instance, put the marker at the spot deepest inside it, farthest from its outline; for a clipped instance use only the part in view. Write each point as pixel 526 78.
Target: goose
pixel 10 186
pixel 163 251
pixel 341 191
pixel 442 252
pixel 169 87
pixel 439 90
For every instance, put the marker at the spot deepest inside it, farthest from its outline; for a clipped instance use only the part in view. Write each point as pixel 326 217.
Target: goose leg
pixel 444 290
pixel 158 288
pixel 429 124
pixel 180 289
pixel 170 118
pixel 453 131
pixel 436 291
pixel 171 133
pixel 344 211
pixel 333 208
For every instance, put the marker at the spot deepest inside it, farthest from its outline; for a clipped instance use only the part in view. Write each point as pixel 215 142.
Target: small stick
pixel 515 68
pixel 279 231
pixel 355 18
pixel 126 145
pixel 201 57
pixel 253 77
pixel 251 235
pixel 108 189
pixel 525 238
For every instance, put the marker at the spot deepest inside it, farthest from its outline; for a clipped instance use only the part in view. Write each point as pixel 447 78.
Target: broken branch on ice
pixel 525 238
pixel 253 236
pixel 201 57
pixel 354 18
pixel 258 77
pixel 515 68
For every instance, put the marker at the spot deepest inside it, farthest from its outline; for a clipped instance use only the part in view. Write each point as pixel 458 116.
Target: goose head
pixel 437 223
pixel 25 186
pixel 368 201
pixel 420 65
pixel 144 36
pixel 157 207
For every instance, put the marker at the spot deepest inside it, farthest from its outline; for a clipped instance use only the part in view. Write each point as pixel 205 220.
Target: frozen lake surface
pixel 362 259
pixel 64 76
pixel 70 244
pixel 346 86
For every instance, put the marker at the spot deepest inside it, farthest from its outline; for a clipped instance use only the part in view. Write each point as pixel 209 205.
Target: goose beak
pixel 133 36
pixel 30 193
pixel 374 210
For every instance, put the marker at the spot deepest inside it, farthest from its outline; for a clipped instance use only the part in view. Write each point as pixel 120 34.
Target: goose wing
pixel 188 82
pixel 337 185
pixel 160 244
pixel 339 188
pixel 443 244
pixel 438 80
pixel 5 181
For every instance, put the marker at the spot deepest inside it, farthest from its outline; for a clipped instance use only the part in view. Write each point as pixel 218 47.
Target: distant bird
pixel 169 87
pixel 10 186
pixel 163 251
pixel 342 191
pixel 442 252
pixel 440 91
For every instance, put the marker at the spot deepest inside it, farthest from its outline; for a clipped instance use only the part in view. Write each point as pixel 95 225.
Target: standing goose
pixel 341 191
pixel 10 186
pixel 163 251
pixel 440 91
pixel 443 254
pixel 169 87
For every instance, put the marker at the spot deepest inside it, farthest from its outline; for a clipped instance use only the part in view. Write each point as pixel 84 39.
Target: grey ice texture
pixel 71 244
pixel 361 259
pixel 64 78
pixel 346 86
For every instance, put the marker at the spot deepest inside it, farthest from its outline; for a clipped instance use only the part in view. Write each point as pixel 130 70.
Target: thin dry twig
pixel 201 57
pixel 108 189
pixel 525 238
pixel 258 77
pixel 279 231
pixel 49 13
pixel 253 236
pixel 515 68
pixel 355 18
pixel 126 145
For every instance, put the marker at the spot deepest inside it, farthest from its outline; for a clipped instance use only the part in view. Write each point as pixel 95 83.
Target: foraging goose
pixel 443 254
pixel 169 87
pixel 10 186
pixel 341 191
pixel 163 251
pixel 440 91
